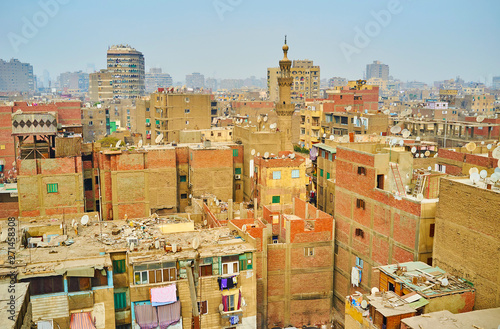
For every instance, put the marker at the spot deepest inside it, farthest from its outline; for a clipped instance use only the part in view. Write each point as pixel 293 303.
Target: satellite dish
pixel 283 156
pixel 132 246
pixel 221 307
pixel 420 197
pixel 480 118
pixel 429 168
pixel 417 155
pixel 417 139
pixel 252 152
pixel 259 119
pixel 444 282
pixel 413 149
pixel 84 220
pixel 374 290
pixel 190 196
pixel 174 247
pixel 118 143
pixel 364 304
pixel 266 155
pixel 345 138
pixel 473 170
pixel 436 155
pixel 348 108
pixel 139 145
pixel 495 177
pixel 489 146
pixel 244 228
pixel 406 133
pixel 332 137
pixel 265 118
pixel 216 202
pixel 401 142
pixel 263 126
pixel 73 222
pixel 496 153
pixel 470 146
pixel 205 222
pixel 427 153
pixel 159 139
pixel 324 135
pixel 196 243
pixel 474 177
pixel 483 174
pixel 395 129
pixel 292 156
pixel 157 244
pixel 482 143
pixel 386 112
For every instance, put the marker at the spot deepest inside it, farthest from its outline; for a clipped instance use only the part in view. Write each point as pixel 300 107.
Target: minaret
pixel 284 107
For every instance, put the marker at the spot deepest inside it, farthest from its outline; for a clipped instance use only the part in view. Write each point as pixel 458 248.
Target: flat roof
pixel 325 147
pixel 21 289
pixel 484 319
pixel 432 275
pixel 479 185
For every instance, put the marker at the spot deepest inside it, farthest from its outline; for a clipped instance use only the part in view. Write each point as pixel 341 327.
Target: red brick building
pixel 294 262
pixel 67 113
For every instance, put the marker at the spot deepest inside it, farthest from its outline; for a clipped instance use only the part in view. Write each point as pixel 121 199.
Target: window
pixel 219 134
pixel 184 196
pixel 431 230
pixel 330 156
pixel 361 171
pixel 119 266
pixel 87 184
pixel 327 175
pixel 230 264
pixel 120 300
pixel 276 199
pixel 308 251
pixel 359 262
pixel 187 122
pixel 203 307
pixel 245 261
pixel 360 203
pixel 237 171
pixel 206 270
pixel 235 152
pixel 359 232
pixel 182 178
pixel 100 278
pixel 237 187
pixel 380 181
pixel 47 285
pixel 331 197
pixel 141 277
pixel 52 188
pixel 321 172
pixel 295 173
pixel 155 273
pixel 186 111
pixel 78 284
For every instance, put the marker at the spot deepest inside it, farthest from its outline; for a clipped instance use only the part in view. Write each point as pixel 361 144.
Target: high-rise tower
pixel 284 107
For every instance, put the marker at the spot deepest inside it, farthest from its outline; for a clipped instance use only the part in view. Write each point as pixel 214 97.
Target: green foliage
pixel 108 141
pixel 299 149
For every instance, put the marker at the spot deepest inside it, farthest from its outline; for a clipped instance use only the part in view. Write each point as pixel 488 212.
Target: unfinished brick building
pixel 294 262
pixel 468 236
pixel 377 222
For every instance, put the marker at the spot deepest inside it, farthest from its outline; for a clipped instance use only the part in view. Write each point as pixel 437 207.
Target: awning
pixel 81 321
pixel 86 272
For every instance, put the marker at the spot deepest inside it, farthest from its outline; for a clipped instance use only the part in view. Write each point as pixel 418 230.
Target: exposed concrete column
pixel 242 216
pixel 230 209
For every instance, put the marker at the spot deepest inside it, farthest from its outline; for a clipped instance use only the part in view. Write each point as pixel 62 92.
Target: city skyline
pixel 237 39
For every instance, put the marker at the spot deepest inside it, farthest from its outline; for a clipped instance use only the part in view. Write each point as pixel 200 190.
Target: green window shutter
pixel 327 175
pixel 120 300
pixel 52 188
pixel 235 152
pixel 276 199
pixel 321 172
pixel 237 171
pixel 119 266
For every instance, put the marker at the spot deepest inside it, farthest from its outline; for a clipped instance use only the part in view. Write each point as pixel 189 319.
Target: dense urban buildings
pixel 195 80
pixel 377 70
pixel 16 76
pixel 73 81
pixel 155 79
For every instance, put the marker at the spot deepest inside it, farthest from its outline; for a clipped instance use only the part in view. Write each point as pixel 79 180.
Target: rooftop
pixel 484 319
pixel 21 289
pixel 426 280
pixel 482 184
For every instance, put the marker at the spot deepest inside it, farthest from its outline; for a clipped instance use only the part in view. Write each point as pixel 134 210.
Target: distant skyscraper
pixel 46 79
pixel 211 83
pixel 496 82
pixel 126 66
pixel 74 80
pixel 337 82
pixel 195 80
pixel 377 70
pixel 156 79
pixel 16 76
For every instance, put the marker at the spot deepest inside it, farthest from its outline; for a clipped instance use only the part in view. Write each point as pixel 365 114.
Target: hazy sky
pixel 422 40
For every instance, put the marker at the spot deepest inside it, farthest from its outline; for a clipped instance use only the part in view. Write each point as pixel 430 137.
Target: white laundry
pixel 355 277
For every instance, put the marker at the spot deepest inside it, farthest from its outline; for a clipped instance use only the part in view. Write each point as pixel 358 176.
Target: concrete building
pixel 467 236
pixel 377 70
pixel 337 82
pixel 482 104
pixel 279 179
pixel 156 79
pixel 496 83
pixel 100 86
pixel 17 316
pixel 459 161
pixel 167 113
pixel 16 76
pixel 294 262
pixel 195 80
pixel 214 134
pixel 305 81
pixel 126 66
pixel 378 222
pixel 438 111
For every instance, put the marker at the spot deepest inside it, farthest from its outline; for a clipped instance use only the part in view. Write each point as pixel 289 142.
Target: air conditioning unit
pixel 148 124
pixel 237 177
